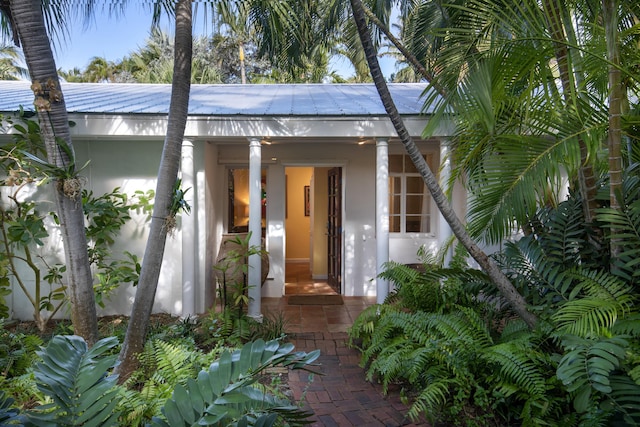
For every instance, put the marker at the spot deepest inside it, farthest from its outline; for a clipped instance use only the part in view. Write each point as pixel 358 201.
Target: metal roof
pixel 277 100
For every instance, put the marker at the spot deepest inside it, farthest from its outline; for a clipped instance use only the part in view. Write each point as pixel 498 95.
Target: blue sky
pixel 107 36
pixel 115 37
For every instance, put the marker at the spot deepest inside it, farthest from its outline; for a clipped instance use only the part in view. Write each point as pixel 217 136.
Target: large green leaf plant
pixel 82 390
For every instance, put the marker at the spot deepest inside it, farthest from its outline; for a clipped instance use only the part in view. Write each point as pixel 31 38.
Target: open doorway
pixel 308 248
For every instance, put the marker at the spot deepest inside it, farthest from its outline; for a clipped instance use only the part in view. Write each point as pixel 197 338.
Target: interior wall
pixel 297 225
pixel 319 217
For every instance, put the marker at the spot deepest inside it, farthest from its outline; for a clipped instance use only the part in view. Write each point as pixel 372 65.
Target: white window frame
pixel 432 210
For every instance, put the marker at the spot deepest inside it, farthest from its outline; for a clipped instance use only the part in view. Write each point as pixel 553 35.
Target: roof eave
pixel 220 127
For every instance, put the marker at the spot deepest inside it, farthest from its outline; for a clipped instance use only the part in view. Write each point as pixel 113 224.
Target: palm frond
pixel 174 363
pixel 605 299
pixel 624 400
pixel 586 368
pixel 518 367
pixel 432 397
pixel 624 225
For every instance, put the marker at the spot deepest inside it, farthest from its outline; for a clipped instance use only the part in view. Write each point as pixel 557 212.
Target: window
pixel 409 199
pixel 238 196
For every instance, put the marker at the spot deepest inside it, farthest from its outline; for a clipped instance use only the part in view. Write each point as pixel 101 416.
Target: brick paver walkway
pixel 342 397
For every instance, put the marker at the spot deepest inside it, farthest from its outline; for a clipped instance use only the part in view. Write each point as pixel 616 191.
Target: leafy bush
pixel 78 389
pixel 226 392
pixel 460 354
pixel 25 225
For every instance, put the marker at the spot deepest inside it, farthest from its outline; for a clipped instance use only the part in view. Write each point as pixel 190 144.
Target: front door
pixel 334 230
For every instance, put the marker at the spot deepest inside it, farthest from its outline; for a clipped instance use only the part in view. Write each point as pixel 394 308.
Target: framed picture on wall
pixel 307 200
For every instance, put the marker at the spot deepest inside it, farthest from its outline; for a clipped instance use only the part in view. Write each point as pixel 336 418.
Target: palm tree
pixel 537 95
pixel 503 284
pixel 153 62
pixel 100 70
pixel 73 75
pixel 234 16
pixel 10 69
pixel 163 210
pixel 616 94
pixel 27 15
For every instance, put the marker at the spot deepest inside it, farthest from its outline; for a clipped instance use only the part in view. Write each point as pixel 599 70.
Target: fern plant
pixel 163 365
pixel 457 350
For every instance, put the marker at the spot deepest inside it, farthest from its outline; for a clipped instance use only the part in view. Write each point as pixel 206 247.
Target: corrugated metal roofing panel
pixel 225 100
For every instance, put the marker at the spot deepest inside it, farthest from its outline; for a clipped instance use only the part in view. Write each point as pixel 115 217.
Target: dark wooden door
pixel 334 230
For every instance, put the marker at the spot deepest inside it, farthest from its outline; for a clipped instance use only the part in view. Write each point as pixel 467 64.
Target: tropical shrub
pixel 9 415
pixel 227 392
pixel 25 224
pixel 75 378
pixel 461 354
pixel 175 385
pixel 163 365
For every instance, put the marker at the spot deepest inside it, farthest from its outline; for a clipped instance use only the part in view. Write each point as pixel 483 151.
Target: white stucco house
pixel 316 169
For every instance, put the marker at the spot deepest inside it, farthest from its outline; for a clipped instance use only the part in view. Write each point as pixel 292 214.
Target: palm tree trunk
pixel 167 176
pixel 54 125
pixel 610 18
pixel 586 174
pixel 506 288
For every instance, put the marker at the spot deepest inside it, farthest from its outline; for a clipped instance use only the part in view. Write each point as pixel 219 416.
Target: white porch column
pixel 255 227
pixel 444 231
pixel 188 233
pixel 382 216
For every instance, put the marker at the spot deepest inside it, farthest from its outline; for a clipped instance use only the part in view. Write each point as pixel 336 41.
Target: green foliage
pixel 17 351
pixel 272 326
pixel 226 392
pixel 75 378
pixel 587 366
pixel 227 327
pixel 232 272
pixel 25 229
pixel 178 203
pixel 5 288
pixel 459 354
pixel 68 172
pixel 9 415
pixel 163 365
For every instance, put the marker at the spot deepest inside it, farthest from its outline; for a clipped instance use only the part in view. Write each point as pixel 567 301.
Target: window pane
pixel 414 204
pixel 415 185
pixel 394 224
pixel 395 184
pixel 238 197
pixel 417 224
pixel 395 204
pixel 395 163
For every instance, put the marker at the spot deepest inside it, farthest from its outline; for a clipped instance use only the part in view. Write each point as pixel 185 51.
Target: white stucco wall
pixel 133 166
